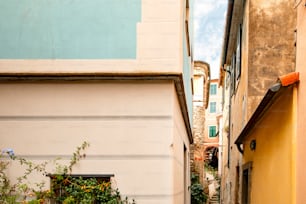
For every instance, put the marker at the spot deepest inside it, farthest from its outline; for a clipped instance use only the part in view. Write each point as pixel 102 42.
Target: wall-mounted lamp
pixel 253 145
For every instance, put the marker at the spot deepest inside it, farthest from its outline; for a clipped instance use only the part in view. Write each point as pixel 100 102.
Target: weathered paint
pixel 271 45
pixel 63 29
pixel 273 167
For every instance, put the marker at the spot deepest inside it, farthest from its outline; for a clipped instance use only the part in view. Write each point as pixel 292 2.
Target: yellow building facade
pixel 268 146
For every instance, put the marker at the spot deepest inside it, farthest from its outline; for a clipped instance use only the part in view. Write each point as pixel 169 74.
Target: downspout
pixel 230 7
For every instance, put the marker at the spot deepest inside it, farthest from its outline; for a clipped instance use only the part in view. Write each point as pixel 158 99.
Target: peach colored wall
pixel 135 131
pixel 272 175
pixel 181 165
pixel 159 47
pixel 301 129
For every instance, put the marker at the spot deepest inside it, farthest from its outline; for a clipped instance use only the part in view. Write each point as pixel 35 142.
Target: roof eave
pixel 273 92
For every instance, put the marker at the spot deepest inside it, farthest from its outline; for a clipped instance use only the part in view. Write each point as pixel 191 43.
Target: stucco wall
pixel 271 45
pixel 272 173
pixel 238 113
pixel 181 162
pixel 135 131
pixel 96 29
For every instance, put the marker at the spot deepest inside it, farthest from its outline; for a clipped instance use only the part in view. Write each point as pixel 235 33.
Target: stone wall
pixel 201 69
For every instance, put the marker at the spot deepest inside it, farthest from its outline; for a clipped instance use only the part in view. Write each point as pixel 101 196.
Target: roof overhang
pixel 68 77
pixel 269 98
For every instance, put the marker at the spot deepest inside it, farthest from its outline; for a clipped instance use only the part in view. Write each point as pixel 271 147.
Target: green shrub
pixel 65 188
pixel 197 192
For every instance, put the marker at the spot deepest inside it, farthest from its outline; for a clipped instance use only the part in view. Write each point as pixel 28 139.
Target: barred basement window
pixel 64 186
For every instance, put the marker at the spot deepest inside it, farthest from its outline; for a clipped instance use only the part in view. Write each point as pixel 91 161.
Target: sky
pixel 209 23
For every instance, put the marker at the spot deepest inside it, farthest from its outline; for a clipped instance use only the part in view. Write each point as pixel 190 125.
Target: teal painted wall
pixel 68 29
pixel 187 65
pixel 187 81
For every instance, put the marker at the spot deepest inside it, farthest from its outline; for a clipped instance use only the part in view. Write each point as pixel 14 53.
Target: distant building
pixel 201 81
pixel 114 73
pixel 212 147
pixel 211 134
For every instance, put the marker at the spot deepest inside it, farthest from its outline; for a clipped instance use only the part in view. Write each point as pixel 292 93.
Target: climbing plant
pixel 65 188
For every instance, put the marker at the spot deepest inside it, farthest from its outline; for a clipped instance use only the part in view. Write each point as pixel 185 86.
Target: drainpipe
pixel 230 7
pixel 230 128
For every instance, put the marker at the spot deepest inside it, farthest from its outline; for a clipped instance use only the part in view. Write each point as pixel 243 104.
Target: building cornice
pixel 96 77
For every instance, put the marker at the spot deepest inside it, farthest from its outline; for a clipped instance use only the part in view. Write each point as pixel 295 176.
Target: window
pixel 64 185
pixel 213 89
pixel 212 107
pixel 246 183
pixel 186 170
pixel 238 53
pixel 236 62
pixel 212 131
pixel 233 74
pixel 198 87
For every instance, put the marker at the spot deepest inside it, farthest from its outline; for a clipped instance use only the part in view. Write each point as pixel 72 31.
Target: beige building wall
pixel 133 112
pixel 135 130
pixel 180 148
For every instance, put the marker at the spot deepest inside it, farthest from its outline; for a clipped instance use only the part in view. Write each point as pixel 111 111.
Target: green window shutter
pixel 212 131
